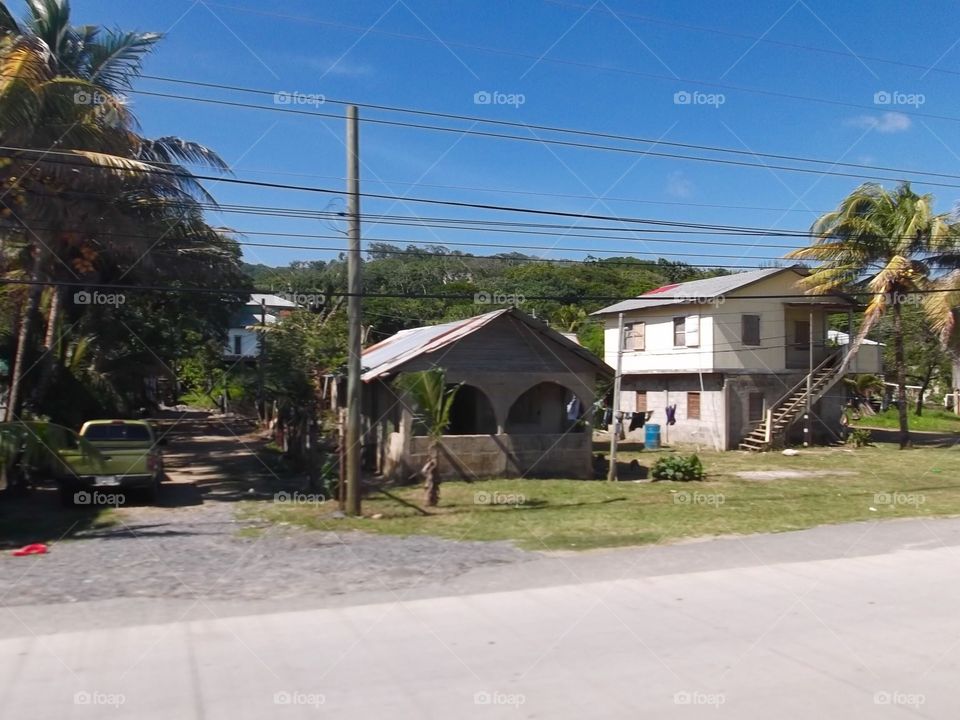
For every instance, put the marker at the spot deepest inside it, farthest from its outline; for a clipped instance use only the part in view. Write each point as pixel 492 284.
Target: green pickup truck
pixel 111 457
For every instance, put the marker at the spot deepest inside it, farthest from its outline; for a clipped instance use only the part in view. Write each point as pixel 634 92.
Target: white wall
pixel 249 345
pixel 721 346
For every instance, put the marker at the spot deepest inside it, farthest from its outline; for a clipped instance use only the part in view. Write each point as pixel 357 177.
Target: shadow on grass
pixel 38 517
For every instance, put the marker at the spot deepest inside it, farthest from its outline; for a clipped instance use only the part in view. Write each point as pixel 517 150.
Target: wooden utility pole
pixel 354 314
pixel 261 357
pixel 808 417
pixel 615 433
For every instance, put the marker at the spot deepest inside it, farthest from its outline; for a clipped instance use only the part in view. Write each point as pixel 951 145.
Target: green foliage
pixel 860 438
pixel 677 467
pixel 432 397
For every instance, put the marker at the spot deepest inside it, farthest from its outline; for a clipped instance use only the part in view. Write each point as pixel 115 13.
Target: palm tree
pixel 80 165
pixel 864 386
pixel 890 243
pixel 433 401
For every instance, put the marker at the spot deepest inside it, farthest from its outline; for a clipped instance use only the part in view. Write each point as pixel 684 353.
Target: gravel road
pixel 193 546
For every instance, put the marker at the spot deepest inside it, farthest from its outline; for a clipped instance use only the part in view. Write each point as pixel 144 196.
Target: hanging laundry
pixel 573 408
pixel 638 419
pixel 607 418
pixel 671 414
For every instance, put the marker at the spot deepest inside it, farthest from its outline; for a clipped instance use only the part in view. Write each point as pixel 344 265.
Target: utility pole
pixel 807 429
pixel 354 312
pixel 261 356
pixel 615 434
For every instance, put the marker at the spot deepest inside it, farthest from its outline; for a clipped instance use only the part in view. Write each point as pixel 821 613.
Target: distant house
pixel 524 407
pixel 729 356
pixel 243 341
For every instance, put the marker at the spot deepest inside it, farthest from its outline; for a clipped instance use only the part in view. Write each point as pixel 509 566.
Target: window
pixel 679 332
pixel 237 345
pixel 750 330
pixel 755 407
pixel 641 402
pixel 634 336
pixel 801 334
pixel 693 406
pixel 692 330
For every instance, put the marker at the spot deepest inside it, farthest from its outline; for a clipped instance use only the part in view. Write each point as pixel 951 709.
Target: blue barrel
pixel 651 439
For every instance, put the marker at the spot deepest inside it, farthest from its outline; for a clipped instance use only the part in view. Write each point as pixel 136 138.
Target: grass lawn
pixel 931 420
pixel 835 485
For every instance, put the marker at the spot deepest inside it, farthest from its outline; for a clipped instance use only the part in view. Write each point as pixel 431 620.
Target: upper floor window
pixel 634 336
pixel 750 330
pixel 686 331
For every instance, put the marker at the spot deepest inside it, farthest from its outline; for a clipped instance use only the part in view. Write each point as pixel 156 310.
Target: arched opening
pixel 545 409
pixel 472 413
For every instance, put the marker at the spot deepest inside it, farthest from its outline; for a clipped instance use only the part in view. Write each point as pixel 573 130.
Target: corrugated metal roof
pixel 271 301
pixel 388 355
pixel 705 289
pixel 397 349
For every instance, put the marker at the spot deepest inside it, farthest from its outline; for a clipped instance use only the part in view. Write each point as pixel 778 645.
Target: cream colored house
pixel 732 355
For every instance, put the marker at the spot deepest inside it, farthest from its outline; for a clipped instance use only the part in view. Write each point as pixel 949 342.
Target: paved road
pixel 856 621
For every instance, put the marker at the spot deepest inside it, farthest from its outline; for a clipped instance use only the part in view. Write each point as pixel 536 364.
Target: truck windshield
pixel 117 432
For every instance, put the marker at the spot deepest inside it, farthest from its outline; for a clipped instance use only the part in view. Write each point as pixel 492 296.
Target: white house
pixel 244 343
pixel 730 355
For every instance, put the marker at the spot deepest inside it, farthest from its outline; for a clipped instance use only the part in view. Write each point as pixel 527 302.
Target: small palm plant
pixel 433 401
pixel 864 387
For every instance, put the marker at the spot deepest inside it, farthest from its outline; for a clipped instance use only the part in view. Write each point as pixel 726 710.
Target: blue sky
pixel 606 66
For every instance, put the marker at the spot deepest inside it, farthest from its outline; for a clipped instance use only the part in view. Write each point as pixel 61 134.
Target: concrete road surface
pixel 846 634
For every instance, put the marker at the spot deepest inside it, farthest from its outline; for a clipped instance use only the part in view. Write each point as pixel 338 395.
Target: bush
pixel 678 467
pixel 860 438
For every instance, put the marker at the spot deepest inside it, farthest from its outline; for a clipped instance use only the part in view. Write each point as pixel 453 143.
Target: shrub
pixel 677 467
pixel 860 437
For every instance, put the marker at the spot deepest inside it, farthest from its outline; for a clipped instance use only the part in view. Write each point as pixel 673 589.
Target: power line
pixel 727 229
pixel 573 63
pixel 568 143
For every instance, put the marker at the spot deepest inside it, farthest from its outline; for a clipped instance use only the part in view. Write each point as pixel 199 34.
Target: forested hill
pixel 431 285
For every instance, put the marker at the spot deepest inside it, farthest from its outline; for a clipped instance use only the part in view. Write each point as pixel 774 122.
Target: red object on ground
pixel 35 549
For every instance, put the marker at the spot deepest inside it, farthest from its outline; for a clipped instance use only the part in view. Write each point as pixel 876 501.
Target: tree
pixel 59 88
pixel 889 243
pixel 433 400
pixel 863 387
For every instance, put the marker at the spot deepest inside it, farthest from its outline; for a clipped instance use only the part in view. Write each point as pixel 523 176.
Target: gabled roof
pixel 387 356
pixel 271 301
pixel 697 290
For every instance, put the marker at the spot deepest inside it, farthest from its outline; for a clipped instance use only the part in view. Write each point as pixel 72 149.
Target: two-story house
pixel 243 339
pixel 732 358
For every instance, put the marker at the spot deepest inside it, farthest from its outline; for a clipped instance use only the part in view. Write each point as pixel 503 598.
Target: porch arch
pixel 542 410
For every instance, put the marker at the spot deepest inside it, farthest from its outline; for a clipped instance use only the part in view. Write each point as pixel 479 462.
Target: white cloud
pixel 888 122
pixel 678 185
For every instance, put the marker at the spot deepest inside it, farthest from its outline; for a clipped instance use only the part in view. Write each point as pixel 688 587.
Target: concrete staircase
pixel 773 428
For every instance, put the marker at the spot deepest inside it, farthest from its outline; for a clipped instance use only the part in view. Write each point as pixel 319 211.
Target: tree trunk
pixel 431 476
pixel 48 361
pixel 901 375
pixel 15 398
pixel 927 378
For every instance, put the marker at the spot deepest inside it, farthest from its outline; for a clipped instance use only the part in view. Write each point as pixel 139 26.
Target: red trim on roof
pixel 665 288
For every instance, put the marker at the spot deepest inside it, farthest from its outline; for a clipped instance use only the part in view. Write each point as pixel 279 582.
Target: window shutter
pixel 693 406
pixel 640 336
pixel 750 330
pixel 641 401
pixel 692 330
